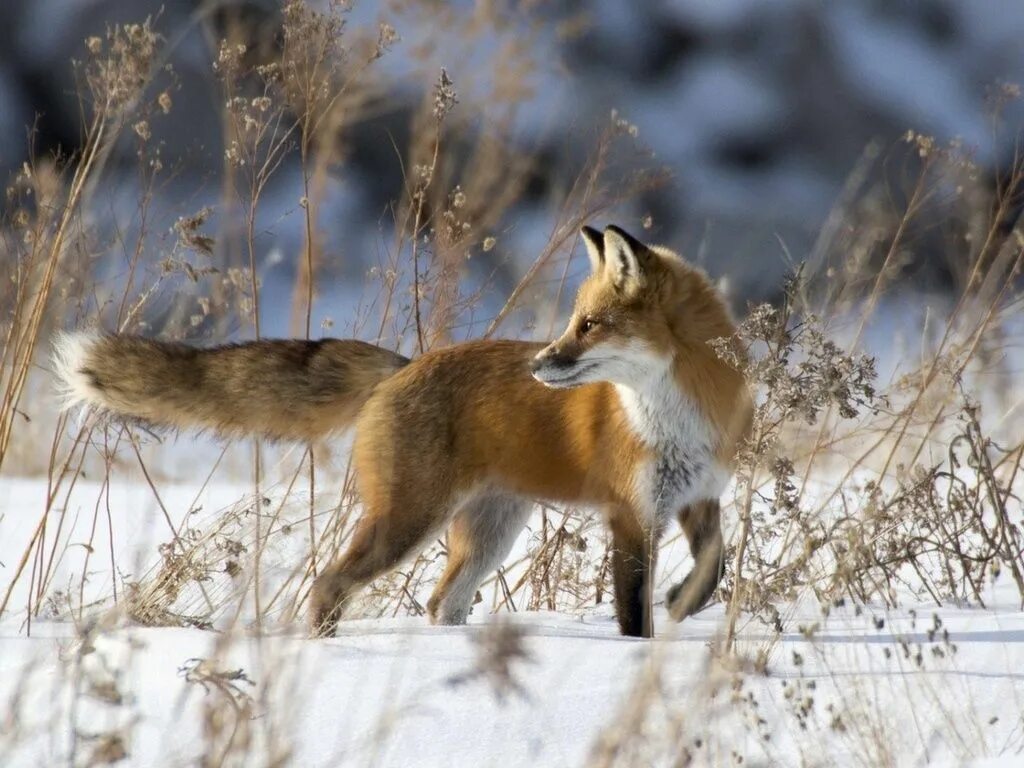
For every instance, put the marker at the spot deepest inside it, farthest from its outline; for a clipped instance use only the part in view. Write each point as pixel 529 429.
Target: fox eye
pixel 589 324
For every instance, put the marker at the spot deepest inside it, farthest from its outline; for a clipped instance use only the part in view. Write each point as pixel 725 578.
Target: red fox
pixel 630 409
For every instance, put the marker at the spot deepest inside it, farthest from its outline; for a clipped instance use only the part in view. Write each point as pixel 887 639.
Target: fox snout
pixel 556 368
pixel 550 357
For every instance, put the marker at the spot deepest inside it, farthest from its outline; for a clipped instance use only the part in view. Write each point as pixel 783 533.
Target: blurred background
pixel 762 115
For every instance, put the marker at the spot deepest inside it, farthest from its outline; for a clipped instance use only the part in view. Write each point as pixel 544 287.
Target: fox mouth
pixel 568 381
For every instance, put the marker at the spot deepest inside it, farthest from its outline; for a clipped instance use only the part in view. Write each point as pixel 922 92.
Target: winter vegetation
pixel 154 587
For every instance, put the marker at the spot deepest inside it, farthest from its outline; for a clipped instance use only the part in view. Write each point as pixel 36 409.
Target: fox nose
pixel 550 357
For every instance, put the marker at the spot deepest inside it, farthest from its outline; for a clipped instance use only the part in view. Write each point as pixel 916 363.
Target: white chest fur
pixel 684 468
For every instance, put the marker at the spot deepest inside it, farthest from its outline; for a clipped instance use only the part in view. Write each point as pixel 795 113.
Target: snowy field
pixel 923 685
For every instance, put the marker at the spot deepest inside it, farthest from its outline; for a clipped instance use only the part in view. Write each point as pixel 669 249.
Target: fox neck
pixel 660 413
pixel 682 466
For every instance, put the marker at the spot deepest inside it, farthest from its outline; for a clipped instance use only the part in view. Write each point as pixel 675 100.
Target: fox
pixel 630 411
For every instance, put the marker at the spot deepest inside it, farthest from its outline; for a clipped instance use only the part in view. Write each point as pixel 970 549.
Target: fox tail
pixel 281 389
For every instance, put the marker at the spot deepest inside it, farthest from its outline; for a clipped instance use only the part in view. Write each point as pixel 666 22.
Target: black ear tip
pixel 590 233
pixel 624 235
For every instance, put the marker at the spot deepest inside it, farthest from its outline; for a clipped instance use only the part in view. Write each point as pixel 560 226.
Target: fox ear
pixel 624 254
pixel 595 248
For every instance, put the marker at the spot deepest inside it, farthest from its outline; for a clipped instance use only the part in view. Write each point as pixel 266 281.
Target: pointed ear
pixel 595 248
pixel 625 256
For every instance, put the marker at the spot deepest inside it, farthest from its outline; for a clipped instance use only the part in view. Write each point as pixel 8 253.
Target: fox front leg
pixel 702 525
pixel 633 554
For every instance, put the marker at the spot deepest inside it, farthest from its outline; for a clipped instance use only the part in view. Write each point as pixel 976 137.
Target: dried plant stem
pixel 96 142
pixel 312 512
pixel 257 514
pixel 419 200
pixel 735 599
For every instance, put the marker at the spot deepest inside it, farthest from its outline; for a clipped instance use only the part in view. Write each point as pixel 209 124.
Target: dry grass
pixel 853 490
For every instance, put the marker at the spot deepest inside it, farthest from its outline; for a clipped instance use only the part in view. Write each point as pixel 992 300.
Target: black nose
pixel 535 364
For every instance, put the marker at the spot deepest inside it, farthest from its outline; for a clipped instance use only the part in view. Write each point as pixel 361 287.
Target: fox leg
pixel 701 523
pixel 634 547
pixel 479 539
pixel 384 537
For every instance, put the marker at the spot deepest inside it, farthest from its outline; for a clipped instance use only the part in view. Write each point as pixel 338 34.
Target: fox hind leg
pixel 479 539
pixel 383 538
pixel 702 525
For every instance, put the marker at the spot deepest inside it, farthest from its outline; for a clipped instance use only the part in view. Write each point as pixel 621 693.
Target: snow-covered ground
pixel 384 692
pixel 922 685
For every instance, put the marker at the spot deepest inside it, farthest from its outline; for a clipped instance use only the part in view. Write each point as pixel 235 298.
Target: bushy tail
pixel 288 390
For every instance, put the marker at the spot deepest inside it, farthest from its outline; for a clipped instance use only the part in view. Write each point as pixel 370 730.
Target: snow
pixel 721 15
pixel 898 70
pixel 383 690
pixel 398 692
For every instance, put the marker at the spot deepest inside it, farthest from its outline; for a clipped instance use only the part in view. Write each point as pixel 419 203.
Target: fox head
pixel 633 315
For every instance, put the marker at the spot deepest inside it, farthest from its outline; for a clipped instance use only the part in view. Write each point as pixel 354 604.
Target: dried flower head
pixel 499 648
pixel 189 235
pixel 118 71
pixel 445 97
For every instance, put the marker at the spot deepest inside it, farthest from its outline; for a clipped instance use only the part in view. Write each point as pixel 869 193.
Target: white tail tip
pixel 71 351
